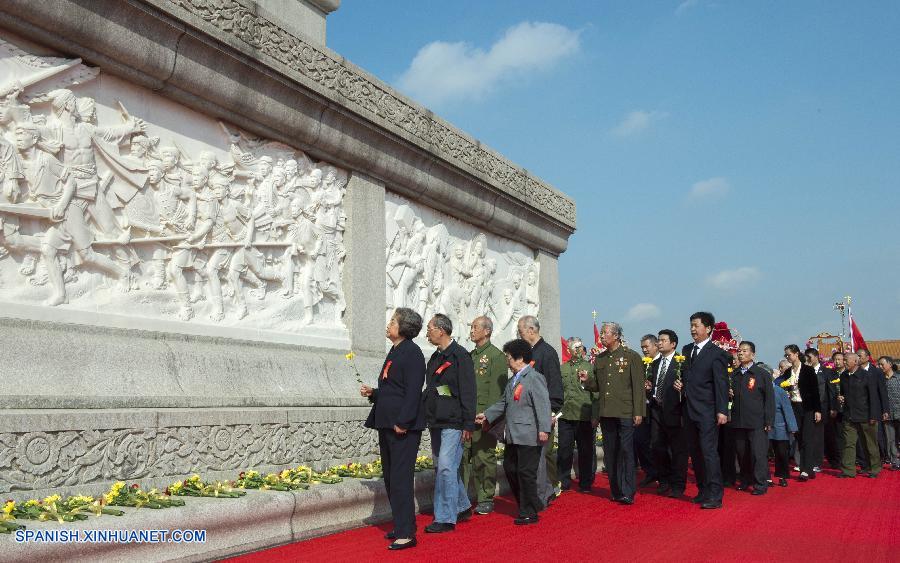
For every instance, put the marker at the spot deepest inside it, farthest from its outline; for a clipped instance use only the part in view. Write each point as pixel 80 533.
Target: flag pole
pixel 850 315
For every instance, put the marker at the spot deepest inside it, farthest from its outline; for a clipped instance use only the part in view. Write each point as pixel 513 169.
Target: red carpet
pixel 826 519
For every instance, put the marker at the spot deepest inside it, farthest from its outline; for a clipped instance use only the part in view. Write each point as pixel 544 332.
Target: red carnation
pixel 134 486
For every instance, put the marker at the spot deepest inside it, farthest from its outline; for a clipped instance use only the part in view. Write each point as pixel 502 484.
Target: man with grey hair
pixel 861 411
pixel 576 421
pixel 642 442
pixel 618 378
pixel 545 360
pixel 449 404
pixel 479 459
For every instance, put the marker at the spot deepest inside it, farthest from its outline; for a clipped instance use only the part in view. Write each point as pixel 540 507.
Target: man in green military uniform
pixel 479 458
pixel 576 421
pixel 618 377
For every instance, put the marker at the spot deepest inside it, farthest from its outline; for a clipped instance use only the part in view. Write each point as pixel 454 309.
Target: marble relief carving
pixel 113 213
pixel 437 264
pixel 42 460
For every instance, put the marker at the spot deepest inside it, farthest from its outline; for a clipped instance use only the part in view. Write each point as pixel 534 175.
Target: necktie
pixel 660 380
pixel 694 352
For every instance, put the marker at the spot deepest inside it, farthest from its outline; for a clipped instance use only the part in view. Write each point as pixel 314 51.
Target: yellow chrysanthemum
pixel 679 358
pixel 9 507
pixel 285 474
pixel 109 498
pixel 251 474
pixel 350 355
pixel 51 499
pixel 836 381
pixel 785 384
pixel 195 478
pixel 32 502
pixel 175 487
pixel 647 361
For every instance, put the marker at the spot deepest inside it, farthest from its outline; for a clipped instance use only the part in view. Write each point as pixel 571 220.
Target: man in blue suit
pixel 705 384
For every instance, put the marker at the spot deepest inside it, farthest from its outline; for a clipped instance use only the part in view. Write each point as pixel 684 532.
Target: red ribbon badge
pixel 531 363
pixel 441 369
pixel 517 394
pixel 387 367
pixel 751 384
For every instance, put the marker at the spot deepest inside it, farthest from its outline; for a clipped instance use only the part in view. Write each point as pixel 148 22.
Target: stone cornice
pixel 373 99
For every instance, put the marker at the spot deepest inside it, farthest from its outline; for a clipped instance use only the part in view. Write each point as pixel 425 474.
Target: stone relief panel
pixel 438 264
pixel 44 460
pixel 118 201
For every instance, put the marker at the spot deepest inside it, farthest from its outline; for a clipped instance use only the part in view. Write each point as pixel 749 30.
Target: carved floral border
pixel 272 40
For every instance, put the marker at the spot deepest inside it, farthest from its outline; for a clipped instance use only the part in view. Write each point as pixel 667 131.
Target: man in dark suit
pixel 546 361
pixel 705 387
pixel 752 415
pixel 867 364
pixel 666 435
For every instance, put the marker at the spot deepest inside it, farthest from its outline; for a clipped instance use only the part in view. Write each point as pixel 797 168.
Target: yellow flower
pixel 836 381
pixel 679 358
pixel 350 355
pixel 785 384
pixel 51 499
pixel 174 488
pixel 252 474
pixel 117 486
pixel 9 507
pixel 195 478
pixel 647 360
pixel 32 502
pixel 109 498
pixel 285 474
pixel 730 370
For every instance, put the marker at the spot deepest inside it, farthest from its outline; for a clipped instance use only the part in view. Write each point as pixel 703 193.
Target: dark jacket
pixel 860 392
pixel 398 397
pixel 884 403
pixel 455 407
pixel 670 400
pixel 753 405
pixel 824 376
pixel 834 389
pixel 705 382
pixel 808 385
pixel 546 360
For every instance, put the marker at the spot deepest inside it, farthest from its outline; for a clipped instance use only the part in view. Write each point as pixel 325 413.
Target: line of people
pixel 700 404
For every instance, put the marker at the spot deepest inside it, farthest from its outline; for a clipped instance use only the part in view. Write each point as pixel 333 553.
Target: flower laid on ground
pixel 89 504
pixel 54 507
pixel 357 470
pixel 350 356
pixel 424 462
pixel 120 495
pixel 271 482
pixel 7 526
pixel 193 486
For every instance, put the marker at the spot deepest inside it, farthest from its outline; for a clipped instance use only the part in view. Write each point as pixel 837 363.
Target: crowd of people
pixel 712 404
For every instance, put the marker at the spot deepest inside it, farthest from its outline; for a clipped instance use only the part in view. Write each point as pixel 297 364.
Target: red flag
pixel 566 355
pixel 597 337
pixel 858 340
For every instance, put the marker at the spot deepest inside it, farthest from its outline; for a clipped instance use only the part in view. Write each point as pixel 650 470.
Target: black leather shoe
pixel 803 477
pixel 646 482
pixel 395 546
pixel 699 499
pixel 663 489
pixel 845 476
pixel 675 493
pixel 464 515
pixel 626 500
pixel 390 536
pixel 872 475
pixel 711 504
pixel 584 489
pixel 741 487
pixel 525 520
pixel 782 482
pixel 616 499
pixel 758 492
pixel 439 527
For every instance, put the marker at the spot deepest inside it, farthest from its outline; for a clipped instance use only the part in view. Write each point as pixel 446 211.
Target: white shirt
pixel 668 362
pixel 700 346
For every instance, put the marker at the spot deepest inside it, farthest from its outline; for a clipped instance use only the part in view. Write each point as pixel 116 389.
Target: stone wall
pixel 202 212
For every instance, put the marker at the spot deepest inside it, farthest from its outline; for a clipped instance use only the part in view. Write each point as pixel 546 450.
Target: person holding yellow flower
pixel 399 419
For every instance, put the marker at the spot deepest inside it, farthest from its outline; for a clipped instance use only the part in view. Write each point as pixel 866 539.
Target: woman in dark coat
pixel 808 411
pixel 399 420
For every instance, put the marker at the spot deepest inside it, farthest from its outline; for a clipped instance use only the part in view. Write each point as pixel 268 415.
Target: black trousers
pixel 703 442
pixel 798 437
pixel 782 449
pixel 572 432
pixel 521 466
pixel 643 451
pixel 618 455
pixel 812 435
pixel 398 462
pixel 669 449
pixel 752 447
pixel 830 447
pixel 727 455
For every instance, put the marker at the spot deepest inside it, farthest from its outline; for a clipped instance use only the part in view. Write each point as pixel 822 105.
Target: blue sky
pixel 741 157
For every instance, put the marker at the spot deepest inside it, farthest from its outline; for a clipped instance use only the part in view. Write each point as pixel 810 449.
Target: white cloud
pixel 442 71
pixel 734 279
pixel 636 122
pixel 643 312
pixel 713 187
pixel 686 5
